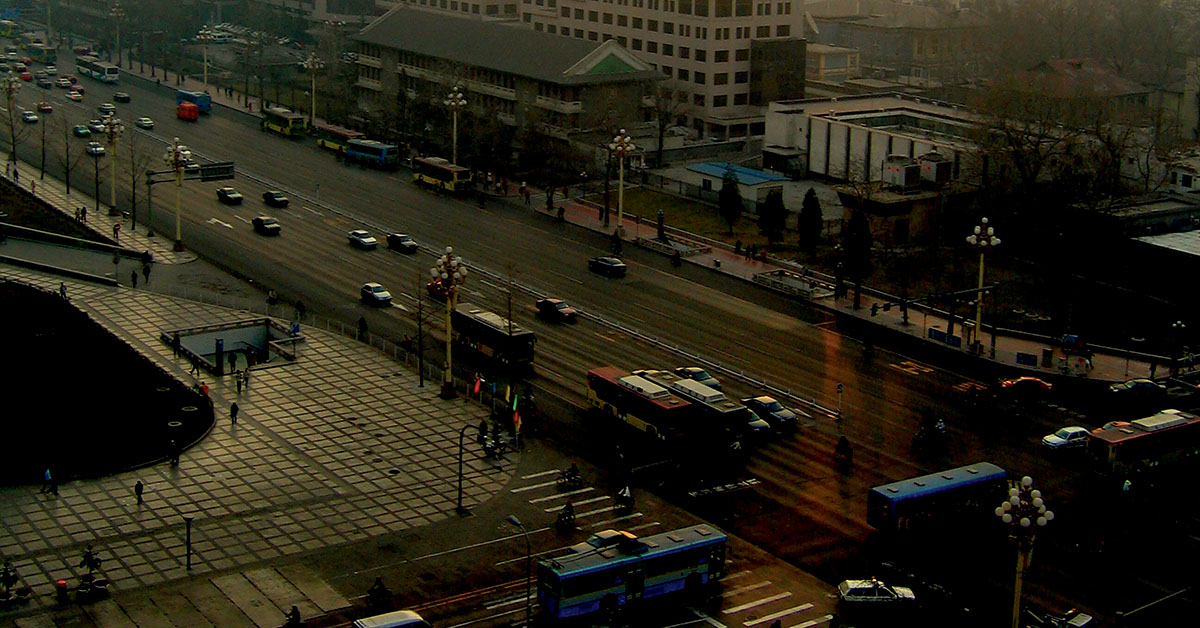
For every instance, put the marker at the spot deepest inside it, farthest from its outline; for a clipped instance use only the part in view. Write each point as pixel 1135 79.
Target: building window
pixel 636 44
pixel 552 29
pixel 721 78
pixel 743 8
pixel 620 39
pixel 668 70
pixel 701 54
pixel 1186 181
pixel 724 8
pixel 682 75
pixel 783 30
pixel 720 101
pixel 578 14
pixel 701 32
pixel 652 46
pixel 698 100
pixel 608 18
pixel 742 54
pixel 685 7
pixel 762 32
pixel 637 22
pixel 785 8
pixel 566 11
pixel 622 20
pixel 652 26
pixel 593 16
pixel 741 77
pixel 579 33
pixel 593 36
pixel 721 56
pixel 740 99
pixel 669 28
pixel 537 26
pixel 763 9
pixel 702 8
pixel 668 50
pixel 685 52
pixel 699 78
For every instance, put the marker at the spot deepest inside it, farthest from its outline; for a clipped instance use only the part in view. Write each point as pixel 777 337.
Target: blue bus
pixel 974 489
pixel 372 153
pixel 202 100
pixel 599 577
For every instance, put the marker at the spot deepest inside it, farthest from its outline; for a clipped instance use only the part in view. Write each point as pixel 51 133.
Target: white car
pixel 74 95
pixel 1066 438
pixel 96 149
pixel 375 294
pixel 871 593
pixel 51 70
pixel 29 117
pixel 361 239
pixel 144 123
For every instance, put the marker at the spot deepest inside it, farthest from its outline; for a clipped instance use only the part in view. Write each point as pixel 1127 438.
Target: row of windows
pixel 762 32
pixel 700 78
pixel 474 8
pixel 700 8
pixel 721 100
pixel 668 28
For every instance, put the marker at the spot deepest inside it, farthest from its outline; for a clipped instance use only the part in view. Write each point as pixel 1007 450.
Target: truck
pixel 202 100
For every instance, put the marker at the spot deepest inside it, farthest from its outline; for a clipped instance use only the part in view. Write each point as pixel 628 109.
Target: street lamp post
pixel 455 101
pixel 1025 512
pixel 312 65
pixel 205 36
pixel 12 85
pixel 982 239
pixel 621 147
pixel 176 158
pixel 117 14
pixel 96 155
pixel 528 566
pixel 450 272
pixel 1177 329
pixel 113 130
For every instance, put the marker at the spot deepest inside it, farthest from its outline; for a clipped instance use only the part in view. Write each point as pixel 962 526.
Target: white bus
pixel 97 69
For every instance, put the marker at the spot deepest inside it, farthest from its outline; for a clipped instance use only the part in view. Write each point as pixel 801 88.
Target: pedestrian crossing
pixel 761 603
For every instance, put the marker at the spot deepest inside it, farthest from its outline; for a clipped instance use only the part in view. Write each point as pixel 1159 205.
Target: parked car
pixel 772 412
pixel 29 117
pixel 45 107
pixel 95 149
pixel 275 198
pixel 361 239
pixel 81 130
pixel 755 426
pixel 607 266
pixel 107 108
pixel 1066 438
pixel 26 76
pixel 144 122
pixel 266 225
pixel 402 242
pixel 229 196
pixel 375 294
pixel 121 97
pixel 700 375
pixel 74 95
pixel 553 309
pixel 873 593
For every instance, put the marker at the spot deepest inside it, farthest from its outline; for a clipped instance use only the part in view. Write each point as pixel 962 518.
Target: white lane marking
pixel 533 487
pixel 532 476
pixel 756 603
pixel 559 496
pixel 814 622
pixel 773 616
pixel 748 587
pixel 735 576
pixel 710 620
pixel 313 211
pixel 516 600
pixel 214 221
pixel 586 501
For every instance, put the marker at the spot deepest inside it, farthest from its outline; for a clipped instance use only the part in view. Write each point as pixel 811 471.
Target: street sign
pixel 218 171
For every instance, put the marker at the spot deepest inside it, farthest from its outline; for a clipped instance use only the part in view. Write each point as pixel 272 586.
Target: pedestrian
pixel 138 489
pixel 33 186
pixel 62 289
pixel 116 230
pixel 76 214
pixel 175 343
pixel 528 196
pixel 146 272
pixel 83 213
pixel 737 247
pixel 46 481
pixel 483 430
pixel 233 410
pixel 300 310
pixel 195 366
pixel 204 388
pixel 133 278
pixel 1153 367
pixel 16 174
pixel 239 383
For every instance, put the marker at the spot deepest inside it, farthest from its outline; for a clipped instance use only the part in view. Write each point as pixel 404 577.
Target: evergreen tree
pixel 810 222
pixel 772 216
pixel 729 199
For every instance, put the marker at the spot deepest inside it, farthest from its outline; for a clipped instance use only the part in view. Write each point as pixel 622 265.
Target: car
pixel 29 117
pixel 626 542
pixel 873 593
pixel 1026 385
pixel 1066 438
pixel 554 309
pixel 772 412
pixel 6 68
pixel 81 130
pixel 79 88
pixel 375 294
pixel 45 83
pixel 1111 425
pixel 95 126
pixel 121 97
pixel 755 426
pixel 74 95
pixel 95 149
pixel 107 108
pixel 266 225
pixel 45 107
pixel 41 74
pixel 361 239
pixel 607 266
pixel 63 82
pixel 26 76
pixel 144 122
pixel 19 67
pixel 1140 388
pixel 71 77
pixel 402 242
pixel 698 374
pixel 229 196
pixel 275 198
pixel 437 291
pixel 51 70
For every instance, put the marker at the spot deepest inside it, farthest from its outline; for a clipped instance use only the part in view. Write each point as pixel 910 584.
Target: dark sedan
pixel 402 242
pixel 607 266
pixel 229 196
pixel 266 225
pixel 556 310
pixel 275 198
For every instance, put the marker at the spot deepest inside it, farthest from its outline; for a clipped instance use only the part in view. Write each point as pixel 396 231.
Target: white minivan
pixel 396 619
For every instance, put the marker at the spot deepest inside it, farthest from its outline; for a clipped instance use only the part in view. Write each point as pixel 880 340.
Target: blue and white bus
pixel 372 153
pixel 973 490
pixel 606 578
pixel 100 70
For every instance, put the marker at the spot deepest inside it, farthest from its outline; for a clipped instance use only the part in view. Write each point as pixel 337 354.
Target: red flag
pixel 478 383
pixel 517 421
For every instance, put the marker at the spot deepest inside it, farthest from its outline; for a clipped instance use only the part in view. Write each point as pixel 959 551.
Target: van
pixel 396 619
pixel 187 111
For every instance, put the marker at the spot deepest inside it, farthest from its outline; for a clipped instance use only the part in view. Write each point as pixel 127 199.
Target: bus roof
pixel 943 480
pixel 373 143
pixel 1164 421
pixel 341 130
pixel 657 545
pixel 629 382
pixel 282 112
pixel 491 319
pixel 441 162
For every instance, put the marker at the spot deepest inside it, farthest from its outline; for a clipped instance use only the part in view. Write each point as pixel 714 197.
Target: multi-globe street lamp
pixel 455 101
pixel 621 147
pixel 1024 512
pixel 204 37
pixel 982 239
pixel 117 14
pixel 312 65
pixel 450 272
pixel 96 154
pixel 12 85
pixel 112 131
pixel 176 159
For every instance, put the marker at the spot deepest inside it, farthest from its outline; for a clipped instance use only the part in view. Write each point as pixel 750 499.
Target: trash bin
pixel 1047 357
pixel 60 590
pixel 716 263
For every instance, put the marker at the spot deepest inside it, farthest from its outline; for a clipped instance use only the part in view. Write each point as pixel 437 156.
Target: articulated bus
pixel 606 579
pixel 372 153
pixel 439 173
pixel 103 71
pixel 974 491
pixel 334 137
pixel 492 335
pixel 639 403
pixel 43 53
pixel 9 28
pixel 283 121
pixel 1153 443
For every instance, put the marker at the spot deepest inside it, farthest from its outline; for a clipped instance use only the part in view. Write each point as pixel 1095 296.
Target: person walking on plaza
pixel 138 489
pixel 238 377
pixel 116 231
pixel 83 213
pixel 133 278
pixel 62 289
pixel 233 410
pixel 146 272
pixel 46 481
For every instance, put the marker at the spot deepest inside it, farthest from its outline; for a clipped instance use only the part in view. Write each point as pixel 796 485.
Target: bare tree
pixel 141 155
pixel 668 108
pixel 66 156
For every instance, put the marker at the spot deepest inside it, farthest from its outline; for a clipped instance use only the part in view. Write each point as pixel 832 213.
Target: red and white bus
pixel 639 403
pixel 334 137
pixel 1149 444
